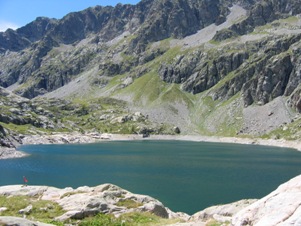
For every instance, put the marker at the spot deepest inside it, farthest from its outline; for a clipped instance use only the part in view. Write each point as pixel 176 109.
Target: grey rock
pixel 155 208
pixel 222 212
pixel 2 209
pixel 281 207
pixel 177 130
pixel 26 210
pixel 17 221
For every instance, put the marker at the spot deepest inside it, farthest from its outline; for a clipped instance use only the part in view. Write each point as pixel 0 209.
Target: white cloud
pixel 4 25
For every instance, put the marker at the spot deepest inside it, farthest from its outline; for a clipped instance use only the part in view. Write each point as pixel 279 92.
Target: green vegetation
pixel 288 20
pixel 67 194
pixel 221 118
pixel 22 129
pixel 214 42
pixel 129 219
pixel 128 203
pixel 102 220
pixel 216 223
pixel 287 132
pixel 46 211
pixel 42 210
pixel 145 89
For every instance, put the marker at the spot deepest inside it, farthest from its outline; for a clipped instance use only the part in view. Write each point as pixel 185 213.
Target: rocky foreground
pixel 281 207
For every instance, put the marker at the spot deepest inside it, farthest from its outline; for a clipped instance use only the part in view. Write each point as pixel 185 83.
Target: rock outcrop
pixel 18 221
pixel 221 213
pixel 88 201
pixel 281 207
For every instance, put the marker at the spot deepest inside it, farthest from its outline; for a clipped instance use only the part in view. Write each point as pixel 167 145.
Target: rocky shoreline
pixel 281 207
pixel 78 138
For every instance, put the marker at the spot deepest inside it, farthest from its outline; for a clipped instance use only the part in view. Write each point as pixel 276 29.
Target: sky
pixel 17 13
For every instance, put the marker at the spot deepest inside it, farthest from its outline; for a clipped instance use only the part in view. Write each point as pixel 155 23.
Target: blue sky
pixel 17 13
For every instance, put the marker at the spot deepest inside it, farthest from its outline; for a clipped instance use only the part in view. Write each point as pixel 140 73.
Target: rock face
pixel 266 11
pixel 269 75
pixel 104 23
pixel 281 207
pixel 88 201
pixel 221 213
pixel 175 19
pixel 259 79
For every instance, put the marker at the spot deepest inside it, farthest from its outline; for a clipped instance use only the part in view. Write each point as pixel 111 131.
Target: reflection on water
pixel 185 176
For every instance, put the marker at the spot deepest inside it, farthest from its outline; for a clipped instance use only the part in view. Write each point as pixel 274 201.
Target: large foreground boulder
pixel 281 207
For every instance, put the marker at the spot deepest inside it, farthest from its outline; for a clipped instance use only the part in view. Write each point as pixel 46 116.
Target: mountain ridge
pixel 155 56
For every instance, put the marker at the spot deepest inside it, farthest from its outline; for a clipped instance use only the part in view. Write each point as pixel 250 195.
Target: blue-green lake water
pixel 184 176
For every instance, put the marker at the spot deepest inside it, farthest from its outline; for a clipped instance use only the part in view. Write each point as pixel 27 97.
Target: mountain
pixel 213 67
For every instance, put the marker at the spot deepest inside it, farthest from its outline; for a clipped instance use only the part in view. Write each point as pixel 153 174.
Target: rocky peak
pixel 37 29
pixel 177 19
pixel 263 12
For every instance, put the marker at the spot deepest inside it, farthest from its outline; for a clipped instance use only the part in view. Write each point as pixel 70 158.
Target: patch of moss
pixel 71 193
pixel 128 203
pixel 129 219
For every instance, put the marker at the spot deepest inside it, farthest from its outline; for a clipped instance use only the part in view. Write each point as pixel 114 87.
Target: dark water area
pixel 184 176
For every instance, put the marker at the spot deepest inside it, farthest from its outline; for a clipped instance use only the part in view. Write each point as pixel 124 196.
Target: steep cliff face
pixel 149 20
pixel 264 12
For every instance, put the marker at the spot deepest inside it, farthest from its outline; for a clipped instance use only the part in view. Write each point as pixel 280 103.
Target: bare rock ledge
pixel 281 207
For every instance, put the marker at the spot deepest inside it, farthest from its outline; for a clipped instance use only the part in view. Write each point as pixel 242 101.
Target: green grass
pixel 214 42
pixel 21 129
pixel 145 89
pixel 217 118
pixel 46 211
pixel 216 223
pixel 102 220
pixel 129 219
pixel 224 80
pixel 128 203
pixel 290 20
pixel 42 210
pixel 173 93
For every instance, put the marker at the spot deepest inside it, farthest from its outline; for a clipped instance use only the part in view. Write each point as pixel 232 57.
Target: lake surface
pixel 184 176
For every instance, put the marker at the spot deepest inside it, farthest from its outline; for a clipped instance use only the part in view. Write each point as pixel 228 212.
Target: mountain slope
pixel 205 66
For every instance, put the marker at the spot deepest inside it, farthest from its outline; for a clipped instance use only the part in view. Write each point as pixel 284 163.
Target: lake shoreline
pixel 78 138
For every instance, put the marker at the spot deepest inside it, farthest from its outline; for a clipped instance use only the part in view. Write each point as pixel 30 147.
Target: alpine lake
pixel 185 176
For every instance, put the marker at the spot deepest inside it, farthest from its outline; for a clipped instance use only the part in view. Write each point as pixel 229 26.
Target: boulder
pixel 177 130
pixel 26 210
pixel 156 208
pixel 17 221
pixel 2 209
pixel 222 213
pixel 281 207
